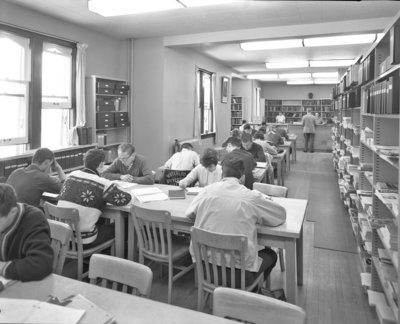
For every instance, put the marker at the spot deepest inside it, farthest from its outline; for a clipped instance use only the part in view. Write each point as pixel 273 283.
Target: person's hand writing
pixel 126 177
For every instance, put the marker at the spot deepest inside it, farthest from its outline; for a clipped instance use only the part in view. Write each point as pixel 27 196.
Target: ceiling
pixel 217 30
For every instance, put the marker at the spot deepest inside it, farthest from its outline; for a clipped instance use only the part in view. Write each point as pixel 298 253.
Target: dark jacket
pixel 257 152
pixel 26 244
pixel 249 165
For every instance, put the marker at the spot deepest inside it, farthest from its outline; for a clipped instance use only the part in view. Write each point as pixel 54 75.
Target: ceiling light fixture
pixel 339 40
pixel 287 76
pixel 331 63
pixel 265 45
pixel 286 65
pixel 108 8
pixel 270 76
pixel 201 3
pixel 299 82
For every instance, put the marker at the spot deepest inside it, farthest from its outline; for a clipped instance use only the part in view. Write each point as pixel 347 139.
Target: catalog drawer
pixel 105 91
pixel 105 85
pixel 105 120
pixel 121 92
pixel 120 123
pixel 120 86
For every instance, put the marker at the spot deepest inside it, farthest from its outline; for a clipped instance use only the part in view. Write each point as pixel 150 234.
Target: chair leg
pixel 170 275
pixel 281 259
pixel 80 269
pixel 200 298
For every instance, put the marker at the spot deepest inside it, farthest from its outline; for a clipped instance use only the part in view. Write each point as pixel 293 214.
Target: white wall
pixel 106 56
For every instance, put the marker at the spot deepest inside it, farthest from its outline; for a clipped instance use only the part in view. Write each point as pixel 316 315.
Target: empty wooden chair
pixel 216 256
pixel 60 234
pixel 274 191
pixel 77 250
pixel 254 308
pixel 156 243
pixel 132 276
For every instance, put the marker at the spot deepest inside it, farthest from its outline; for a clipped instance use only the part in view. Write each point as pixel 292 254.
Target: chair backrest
pixel 153 229
pixel 271 190
pixel 172 177
pixel 69 216
pixel 254 308
pixel 60 234
pixel 131 276
pixel 215 249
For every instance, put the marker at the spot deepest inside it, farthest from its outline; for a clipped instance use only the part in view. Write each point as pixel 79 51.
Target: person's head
pixel 247 141
pixel 8 206
pixel 94 159
pixel 236 133
pixel 233 143
pixel 244 121
pixel 232 167
pixel 263 123
pixel 316 115
pixel 43 158
pixel 209 159
pixel 259 135
pixel 309 110
pixel 247 129
pixel 280 113
pixel 187 146
pixel 126 153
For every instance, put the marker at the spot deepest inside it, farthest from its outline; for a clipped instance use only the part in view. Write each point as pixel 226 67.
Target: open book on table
pixel 149 194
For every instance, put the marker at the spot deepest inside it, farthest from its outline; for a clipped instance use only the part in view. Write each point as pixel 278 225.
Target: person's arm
pixel 190 178
pixel 113 172
pixel 115 196
pixel 57 168
pixel 271 149
pixel 270 213
pixel 281 140
pixel 196 159
pixel 261 155
pixel 147 177
pixel 38 255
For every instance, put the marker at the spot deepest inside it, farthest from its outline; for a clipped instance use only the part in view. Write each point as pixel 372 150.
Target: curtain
pixel 80 84
pixel 196 115
pixel 214 112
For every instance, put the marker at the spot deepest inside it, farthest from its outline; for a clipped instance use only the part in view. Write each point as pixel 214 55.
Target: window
pixel 14 85
pixel 37 87
pixel 205 90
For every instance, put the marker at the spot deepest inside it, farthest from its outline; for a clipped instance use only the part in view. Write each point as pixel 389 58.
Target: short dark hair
pixel 247 126
pixel 42 155
pixel 93 158
pixel 187 146
pixel 263 123
pixel 259 135
pixel 8 199
pixel 234 141
pixel 246 138
pixel 232 166
pixel 126 147
pixel 209 157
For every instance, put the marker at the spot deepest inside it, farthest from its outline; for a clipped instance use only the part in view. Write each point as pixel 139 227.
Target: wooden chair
pixel 133 276
pixel 208 248
pixel 60 234
pixel 274 191
pixel 76 250
pixel 254 308
pixel 155 241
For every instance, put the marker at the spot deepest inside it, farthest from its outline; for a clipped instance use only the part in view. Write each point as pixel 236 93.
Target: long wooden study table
pixel 125 308
pixel 288 236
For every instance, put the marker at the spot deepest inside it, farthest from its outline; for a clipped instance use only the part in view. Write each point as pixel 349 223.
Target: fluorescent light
pixel 294 82
pixel 325 75
pixel 294 76
pixel 201 3
pixel 270 76
pixel 329 63
pixel 264 45
pixel 340 40
pixel 108 8
pixel 286 65
pixel 326 81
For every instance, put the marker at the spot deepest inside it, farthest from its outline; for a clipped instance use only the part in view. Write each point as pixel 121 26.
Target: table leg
pixel 290 257
pixel 132 243
pixel 299 258
pixel 283 170
pixel 288 159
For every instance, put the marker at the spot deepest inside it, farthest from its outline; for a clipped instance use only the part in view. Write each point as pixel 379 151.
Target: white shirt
pixel 203 176
pixel 184 160
pixel 229 207
pixel 280 119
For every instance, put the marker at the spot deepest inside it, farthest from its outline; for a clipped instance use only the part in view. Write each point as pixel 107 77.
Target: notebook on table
pixel 176 194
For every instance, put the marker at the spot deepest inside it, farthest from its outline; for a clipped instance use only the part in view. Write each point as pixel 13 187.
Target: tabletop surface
pixel 124 307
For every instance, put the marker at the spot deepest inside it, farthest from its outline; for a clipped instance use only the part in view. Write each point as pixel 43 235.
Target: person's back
pixel 254 149
pixel 308 122
pixel 273 137
pixel 186 159
pixel 282 133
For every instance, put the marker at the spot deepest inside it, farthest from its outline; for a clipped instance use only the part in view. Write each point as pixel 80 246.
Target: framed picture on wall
pixel 224 89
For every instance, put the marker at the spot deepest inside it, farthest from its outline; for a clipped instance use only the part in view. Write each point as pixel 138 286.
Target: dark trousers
pixel 309 142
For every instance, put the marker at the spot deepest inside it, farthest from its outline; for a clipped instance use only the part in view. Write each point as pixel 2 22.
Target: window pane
pixel 55 127
pixel 56 76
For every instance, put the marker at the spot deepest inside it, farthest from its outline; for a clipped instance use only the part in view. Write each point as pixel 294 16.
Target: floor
pixel 332 291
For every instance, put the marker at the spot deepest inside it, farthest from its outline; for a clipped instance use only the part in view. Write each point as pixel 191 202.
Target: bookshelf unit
pixel 236 111
pixel 294 110
pixel 108 112
pixel 375 216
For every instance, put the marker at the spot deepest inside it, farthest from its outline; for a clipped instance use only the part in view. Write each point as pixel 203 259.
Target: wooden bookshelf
pixel 236 111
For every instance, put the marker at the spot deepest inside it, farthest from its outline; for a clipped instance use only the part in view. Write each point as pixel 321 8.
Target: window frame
pixel 35 85
pixel 200 86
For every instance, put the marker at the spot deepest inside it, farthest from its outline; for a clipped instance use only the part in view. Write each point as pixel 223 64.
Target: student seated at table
pixel 281 131
pixel 129 167
pixel 254 149
pixel 205 173
pixel 273 137
pixel 86 191
pixel 30 182
pixel 248 129
pixel 233 148
pixel 263 128
pixel 228 207
pixel 26 252
pixel 186 159
pixel 269 152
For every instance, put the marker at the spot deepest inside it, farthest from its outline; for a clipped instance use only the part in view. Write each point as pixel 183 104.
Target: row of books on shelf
pixel 383 97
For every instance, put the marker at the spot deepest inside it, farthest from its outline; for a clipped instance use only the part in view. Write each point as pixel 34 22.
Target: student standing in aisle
pixel 309 122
